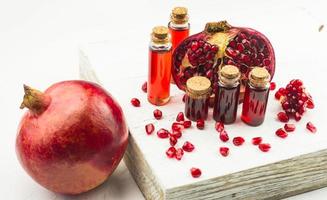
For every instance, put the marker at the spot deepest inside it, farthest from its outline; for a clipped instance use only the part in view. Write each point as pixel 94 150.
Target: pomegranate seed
pixel 219 126
pixel 310 104
pixel 223 136
pixel 238 141
pixel 172 140
pixel 163 133
pixel 297 116
pixel 256 140
pixel 177 126
pixel 272 86
pixel 282 116
pixel 224 151
pixel 177 134
pixel 278 95
pixel 189 147
pixel 136 102
pixel 145 87
pixel 157 114
pixel 179 153
pixel 187 124
pixel 289 127
pixel 264 147
pixel 312 128
pixel 149 128
pixel 281 133
pixel 200 124
pixel 195 172
pixel 171 151
pixel 184 98
pixel 180 117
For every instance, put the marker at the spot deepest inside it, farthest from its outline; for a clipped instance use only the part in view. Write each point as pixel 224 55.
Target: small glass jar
pixel 226 97
pixel 256 97
pixel 198 90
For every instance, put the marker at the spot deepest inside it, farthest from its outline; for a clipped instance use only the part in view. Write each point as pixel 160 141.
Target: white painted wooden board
pixel 292 28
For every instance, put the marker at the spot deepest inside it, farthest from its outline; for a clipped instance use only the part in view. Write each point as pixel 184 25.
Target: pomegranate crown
pixel 35 100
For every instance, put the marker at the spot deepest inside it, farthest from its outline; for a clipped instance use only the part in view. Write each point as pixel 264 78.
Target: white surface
pixel 38 46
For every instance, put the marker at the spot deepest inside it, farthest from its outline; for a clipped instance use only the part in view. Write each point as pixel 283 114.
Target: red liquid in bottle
pixel 178 35
pixel 196 108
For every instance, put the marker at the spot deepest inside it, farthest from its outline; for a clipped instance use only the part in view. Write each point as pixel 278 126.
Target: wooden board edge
pixel 273 181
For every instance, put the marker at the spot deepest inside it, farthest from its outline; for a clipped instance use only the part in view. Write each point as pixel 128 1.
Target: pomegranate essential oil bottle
pixel 256 97
pixel 179 27
pixel 226 97
pixel 158 88
pixel 198 90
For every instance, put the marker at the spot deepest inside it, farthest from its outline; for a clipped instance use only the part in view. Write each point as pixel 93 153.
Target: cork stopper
pixel 160 35
pixel 198 87
pixel 229 75
pixel 259 77
pixel 179 15
pixel 214 27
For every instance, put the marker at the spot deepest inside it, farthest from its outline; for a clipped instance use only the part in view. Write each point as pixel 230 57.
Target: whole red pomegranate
pixel 72 137
pixel 220 44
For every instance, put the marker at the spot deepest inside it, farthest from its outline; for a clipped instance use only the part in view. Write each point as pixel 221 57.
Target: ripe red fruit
pixel 179 153
pixel 171 152
pixel 289 127
pixel 163 133
pixel 223 136
pixel 157 114
pixel 149 128
pixel 176 126
pixel 200 124
pixel 135 102
pixel 177 134
pixel 256 140
pixel 282 116
pixel 281 133
pixel 219 126
pixel 195 172
pixel 189 147
pixel 224 151
pixel 172 140
pixel 310 104
pixel 312 128
pixel 280 92
pixel 264 147
pixel 187 124
pixel 238 141
pixel 206 52
pixel 72 126
pixel 272 86
pixel 145 87
pixel 180 117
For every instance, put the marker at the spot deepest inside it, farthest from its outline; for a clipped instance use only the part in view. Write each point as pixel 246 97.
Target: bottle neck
pixel 257 87
pixel 160 47
pixel 175 26
pixel 228 85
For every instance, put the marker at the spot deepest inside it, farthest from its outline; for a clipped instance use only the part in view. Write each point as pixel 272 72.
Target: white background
pixel 38 46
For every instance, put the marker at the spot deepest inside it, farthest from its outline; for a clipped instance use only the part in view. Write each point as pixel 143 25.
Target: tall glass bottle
pixel 159 66
pixel 226 97
pixel 256 97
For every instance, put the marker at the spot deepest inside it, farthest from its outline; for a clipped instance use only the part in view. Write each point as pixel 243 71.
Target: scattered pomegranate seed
pixel 136 102
pixel 187 124
pixel 176 126
pixel 282 116
pixel 223 136
pixel 264 147
pixel 180 117
pixel 195 172
pixel 238 141
pixel 184 98
pixel 171 151
pixel 310 104
pixel 172 140
pixel 163 133
pixel 256 140
pixel 157 114
pixel 149 128
pixel 145 87
pixel 219 126
pixel 188 146
pixel 289 127
pixel 224 151
pixel 297 116
pixel 272 86
pixel 200 124
pixel 281 133
pixel 179 153
pixel 177 134
pixel 312 128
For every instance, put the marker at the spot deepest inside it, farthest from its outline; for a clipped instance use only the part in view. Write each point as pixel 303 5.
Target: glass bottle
pixel 198 90
pixel 256 97
pixel 159 66
pixel 226 97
